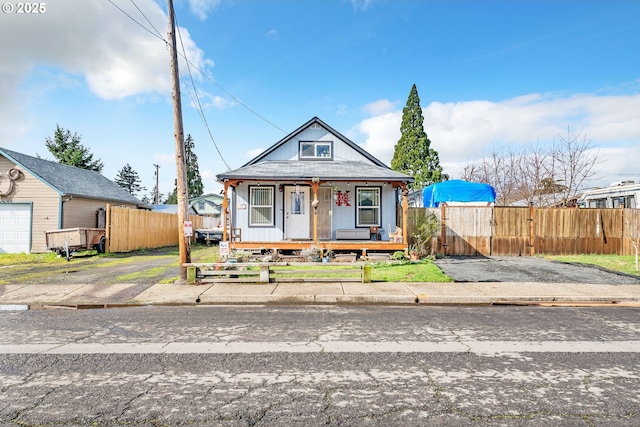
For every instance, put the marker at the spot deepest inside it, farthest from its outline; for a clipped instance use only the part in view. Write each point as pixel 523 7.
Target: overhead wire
pixel 158 35
pixel 139 24
pixel 147 19
pixel 197 98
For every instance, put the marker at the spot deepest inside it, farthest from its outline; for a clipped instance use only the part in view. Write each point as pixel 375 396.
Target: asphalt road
pixel 318 366
pixel 528 269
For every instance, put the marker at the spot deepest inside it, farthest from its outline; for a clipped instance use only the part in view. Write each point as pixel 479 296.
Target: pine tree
pixel 129 179
pixel 172 198
pixel 413 154
pixel 194 180
pixel 195 187
pixel 68 150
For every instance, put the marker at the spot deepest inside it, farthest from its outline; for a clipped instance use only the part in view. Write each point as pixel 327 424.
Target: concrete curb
pixel 343 300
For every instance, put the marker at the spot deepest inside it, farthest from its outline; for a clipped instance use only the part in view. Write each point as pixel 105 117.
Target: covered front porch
pixel 322 233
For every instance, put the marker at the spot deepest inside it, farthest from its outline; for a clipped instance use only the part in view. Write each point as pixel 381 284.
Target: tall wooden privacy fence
pixel 503 230
pixel 132 229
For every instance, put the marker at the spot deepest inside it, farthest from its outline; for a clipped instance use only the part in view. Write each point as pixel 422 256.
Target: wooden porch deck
pixel 363 246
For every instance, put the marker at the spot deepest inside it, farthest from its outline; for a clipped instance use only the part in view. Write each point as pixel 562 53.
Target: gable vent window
pixel 315 150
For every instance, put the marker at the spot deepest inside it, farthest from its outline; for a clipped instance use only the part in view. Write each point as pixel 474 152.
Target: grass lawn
pixel 622 263
pixel 423 271
pixel 398 271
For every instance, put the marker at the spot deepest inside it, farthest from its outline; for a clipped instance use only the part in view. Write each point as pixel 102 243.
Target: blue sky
pixel 490 74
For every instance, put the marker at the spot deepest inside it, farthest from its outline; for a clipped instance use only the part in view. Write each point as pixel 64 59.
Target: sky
pixel 490 74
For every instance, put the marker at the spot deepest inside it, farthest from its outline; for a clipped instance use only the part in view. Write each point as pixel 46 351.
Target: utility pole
pixel 181 165
pixel 156 197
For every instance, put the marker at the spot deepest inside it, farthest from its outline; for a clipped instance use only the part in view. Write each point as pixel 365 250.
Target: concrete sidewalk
pixel 15 297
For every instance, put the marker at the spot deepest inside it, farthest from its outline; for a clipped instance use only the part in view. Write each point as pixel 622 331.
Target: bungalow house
pixel 208 205
pixel 314 187
pixel 38 195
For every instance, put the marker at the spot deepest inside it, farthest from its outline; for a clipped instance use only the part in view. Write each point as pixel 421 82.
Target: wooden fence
pixel 277 272
pixel 132 229
pixel 501 230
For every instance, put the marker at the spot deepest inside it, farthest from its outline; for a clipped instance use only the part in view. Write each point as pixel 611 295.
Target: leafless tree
pixel 574 160
pixel 534 174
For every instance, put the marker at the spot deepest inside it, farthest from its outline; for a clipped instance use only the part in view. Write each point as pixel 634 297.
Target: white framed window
pixel 261 206
pixel 367 206
pixel 314 150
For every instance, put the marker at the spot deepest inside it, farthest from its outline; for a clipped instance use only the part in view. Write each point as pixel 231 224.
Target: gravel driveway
pixel 528 269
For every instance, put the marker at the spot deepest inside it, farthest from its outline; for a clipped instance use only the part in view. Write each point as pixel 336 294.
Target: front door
pixel 296 212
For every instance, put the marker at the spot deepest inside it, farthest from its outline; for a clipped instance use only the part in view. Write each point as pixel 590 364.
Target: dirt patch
pixel 528 269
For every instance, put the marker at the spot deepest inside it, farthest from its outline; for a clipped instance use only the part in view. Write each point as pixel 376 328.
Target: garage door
pixel 15 227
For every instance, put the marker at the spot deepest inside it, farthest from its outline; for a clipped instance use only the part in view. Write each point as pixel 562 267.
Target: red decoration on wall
pixel 342 198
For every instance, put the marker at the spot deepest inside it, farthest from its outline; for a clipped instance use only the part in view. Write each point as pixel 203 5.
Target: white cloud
pixel 465 131
pixel 201 8
pixel 378 107
pixel 361 4
pixel 89 40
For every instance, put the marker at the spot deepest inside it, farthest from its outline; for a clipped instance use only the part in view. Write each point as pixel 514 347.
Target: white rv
pixel 624 194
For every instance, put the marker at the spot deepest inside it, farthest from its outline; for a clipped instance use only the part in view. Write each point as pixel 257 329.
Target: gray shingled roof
pixel 325 170
pixel 70 180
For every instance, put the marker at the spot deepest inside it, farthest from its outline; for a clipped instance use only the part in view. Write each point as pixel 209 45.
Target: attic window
pixel 316 150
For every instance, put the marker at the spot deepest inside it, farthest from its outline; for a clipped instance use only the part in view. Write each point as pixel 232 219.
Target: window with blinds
pixel 261 206
pixel 368 206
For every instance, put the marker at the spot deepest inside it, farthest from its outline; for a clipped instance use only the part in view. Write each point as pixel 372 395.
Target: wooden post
pixel 532 251
pixel 191 275
pixel 107 226
pixel 225 207
pixel 264 273
pixel 314 204
pixel 366 274
pixel 405 210
pixel 181 168
pixel 443 229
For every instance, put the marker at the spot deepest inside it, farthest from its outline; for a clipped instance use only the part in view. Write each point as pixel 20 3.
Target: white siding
pixel 341 151
pixel 241 204
pixel 344 217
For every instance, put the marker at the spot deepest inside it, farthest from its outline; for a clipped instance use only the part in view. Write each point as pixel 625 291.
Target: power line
pixel 147 19
pixel 139 24
pixel 195 94
pixel 188 62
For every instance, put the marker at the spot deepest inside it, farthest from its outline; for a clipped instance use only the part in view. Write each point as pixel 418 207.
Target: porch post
pixel 405 210
pixel 225 206
pixel 315 184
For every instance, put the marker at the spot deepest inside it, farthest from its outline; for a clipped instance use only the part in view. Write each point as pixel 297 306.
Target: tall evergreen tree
pixel 129 180
pixel 68 150
pixel 172 198
pixel 194 180
pixel 195 187
pixel 413 154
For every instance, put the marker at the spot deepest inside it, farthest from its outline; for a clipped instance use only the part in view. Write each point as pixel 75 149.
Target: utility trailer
pixel 68 240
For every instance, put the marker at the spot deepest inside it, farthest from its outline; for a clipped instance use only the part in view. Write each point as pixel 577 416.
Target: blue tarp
pixel 457 191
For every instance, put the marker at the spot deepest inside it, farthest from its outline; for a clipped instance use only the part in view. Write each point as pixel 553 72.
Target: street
pixel 321 365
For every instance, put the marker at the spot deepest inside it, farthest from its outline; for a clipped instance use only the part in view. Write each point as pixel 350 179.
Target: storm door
pixel 296 212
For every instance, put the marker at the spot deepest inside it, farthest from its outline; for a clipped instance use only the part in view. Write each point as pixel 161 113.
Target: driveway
pixel 528 269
